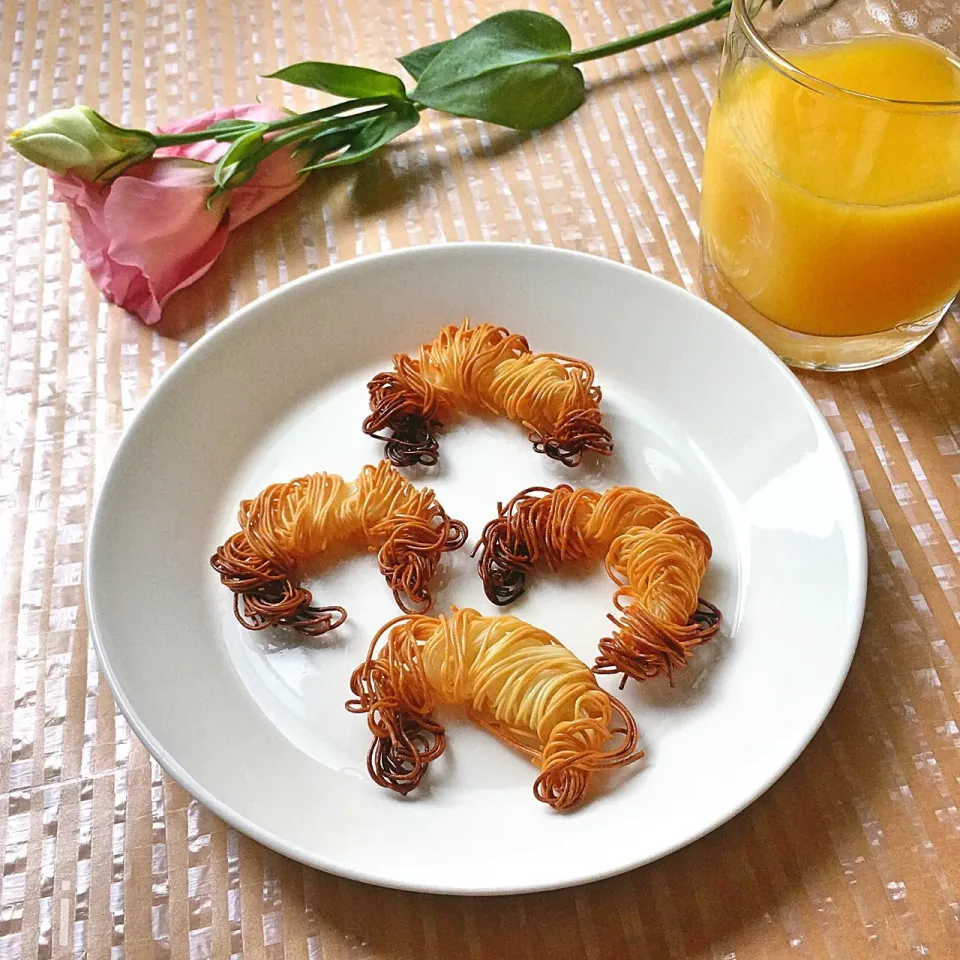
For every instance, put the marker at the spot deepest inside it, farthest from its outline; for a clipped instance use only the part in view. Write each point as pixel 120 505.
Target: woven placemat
pixel 854 853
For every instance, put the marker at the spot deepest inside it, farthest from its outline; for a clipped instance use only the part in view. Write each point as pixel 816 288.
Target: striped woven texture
pixel 854 853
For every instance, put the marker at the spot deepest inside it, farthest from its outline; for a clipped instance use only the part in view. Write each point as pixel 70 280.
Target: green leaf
pixel 341 80
pixel 322 145
pixel 350 126
pixel 418 60
pixel 241 148
pixel 513 69
pixel 371 135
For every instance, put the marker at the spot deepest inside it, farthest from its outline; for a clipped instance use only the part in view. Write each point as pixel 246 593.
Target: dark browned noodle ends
pixel 486 368
pixel 642 648
pixel 656 558
pixel 288 524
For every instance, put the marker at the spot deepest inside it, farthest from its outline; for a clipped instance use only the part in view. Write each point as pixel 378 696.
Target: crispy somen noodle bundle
pixel 656 557
pixel 514 680
pixel 288 524
pixel 486 368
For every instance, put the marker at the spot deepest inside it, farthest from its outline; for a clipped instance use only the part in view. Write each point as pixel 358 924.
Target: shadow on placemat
pixel 915 396
pixel 366 191
pixel 215 295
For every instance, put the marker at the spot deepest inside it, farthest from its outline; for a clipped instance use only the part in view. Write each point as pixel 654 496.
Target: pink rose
pixel 149 232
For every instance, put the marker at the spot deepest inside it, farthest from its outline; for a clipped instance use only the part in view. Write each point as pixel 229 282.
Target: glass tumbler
pixel 830 216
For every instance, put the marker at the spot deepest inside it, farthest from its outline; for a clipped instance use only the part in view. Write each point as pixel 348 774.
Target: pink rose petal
pixel 149 232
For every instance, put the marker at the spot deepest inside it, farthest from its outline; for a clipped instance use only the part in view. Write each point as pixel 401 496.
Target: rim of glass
pixel 742 16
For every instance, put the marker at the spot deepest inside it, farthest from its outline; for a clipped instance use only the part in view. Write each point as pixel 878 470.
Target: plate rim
pixel 857 569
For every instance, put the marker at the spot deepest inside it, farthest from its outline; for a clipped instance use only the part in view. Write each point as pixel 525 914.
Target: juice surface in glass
pixel 832 214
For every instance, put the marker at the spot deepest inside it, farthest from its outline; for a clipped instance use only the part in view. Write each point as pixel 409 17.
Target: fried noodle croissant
pixel 514 680
pixel 486 368
pixel 288 524
pixel 656 557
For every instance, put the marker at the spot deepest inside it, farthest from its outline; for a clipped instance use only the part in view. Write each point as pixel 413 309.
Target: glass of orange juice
pixel 830 216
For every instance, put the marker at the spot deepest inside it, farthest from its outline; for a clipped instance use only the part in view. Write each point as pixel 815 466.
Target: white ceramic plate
pixel 254 725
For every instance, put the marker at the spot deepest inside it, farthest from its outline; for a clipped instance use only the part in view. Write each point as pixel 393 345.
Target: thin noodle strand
pixel 656 557
pixel 514 680
pixel 288 524
pixel 486 369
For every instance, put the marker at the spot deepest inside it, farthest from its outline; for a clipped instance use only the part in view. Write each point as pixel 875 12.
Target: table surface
pixel 854 853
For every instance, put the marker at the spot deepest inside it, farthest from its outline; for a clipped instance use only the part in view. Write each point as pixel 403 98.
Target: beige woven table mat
pixel 854 853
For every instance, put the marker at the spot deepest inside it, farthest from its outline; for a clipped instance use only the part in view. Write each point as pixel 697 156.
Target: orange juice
pixel 834 214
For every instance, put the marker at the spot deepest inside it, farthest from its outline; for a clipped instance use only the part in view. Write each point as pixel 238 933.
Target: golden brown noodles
pixel 514 680
pixel 486 368
pixel 656 558
pixel 288 524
